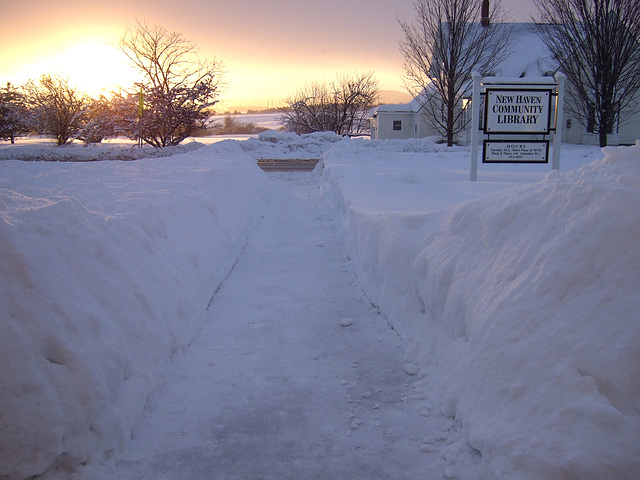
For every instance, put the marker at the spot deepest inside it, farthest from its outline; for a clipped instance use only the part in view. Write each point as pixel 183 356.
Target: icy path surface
pixel 294 375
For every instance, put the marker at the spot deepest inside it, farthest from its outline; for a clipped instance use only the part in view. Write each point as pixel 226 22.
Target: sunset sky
pixel 270 49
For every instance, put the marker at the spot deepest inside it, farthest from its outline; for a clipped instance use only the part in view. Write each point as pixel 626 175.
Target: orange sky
pixel 270 48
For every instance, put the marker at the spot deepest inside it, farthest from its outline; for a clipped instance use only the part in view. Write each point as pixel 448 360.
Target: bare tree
pixel 308 110
pixel 178 87
pixel 597 45
pixel 56 108
pixel 100 121
pixel 448 41
pixel 341 106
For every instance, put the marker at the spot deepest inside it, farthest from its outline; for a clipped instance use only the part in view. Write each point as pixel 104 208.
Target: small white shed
pixel 398 121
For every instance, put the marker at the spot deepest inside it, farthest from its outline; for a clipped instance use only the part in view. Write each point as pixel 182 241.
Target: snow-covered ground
pixel 294 373
pixel 522 305
pixel 107 271
pixel 517 295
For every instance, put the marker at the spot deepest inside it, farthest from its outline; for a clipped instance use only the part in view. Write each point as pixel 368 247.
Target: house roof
pixel 529 56
pixel 412 107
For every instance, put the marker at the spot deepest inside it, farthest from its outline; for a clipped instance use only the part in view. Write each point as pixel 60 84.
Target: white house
pixel 528 58
pixel 399 121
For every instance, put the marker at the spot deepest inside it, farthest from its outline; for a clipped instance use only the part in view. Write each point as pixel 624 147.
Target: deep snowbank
pixel 517 294
pixel 44 149
pixel 273 144
pixel 521 305
pixel 107 270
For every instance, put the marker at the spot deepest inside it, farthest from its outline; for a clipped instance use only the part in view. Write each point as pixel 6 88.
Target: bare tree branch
pixel 441 48
pixel 56 108
pixel 597 45
pixel 341 106
pixel 178 87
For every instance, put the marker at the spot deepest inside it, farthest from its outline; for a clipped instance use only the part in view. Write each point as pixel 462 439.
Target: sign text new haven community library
pixel 518 111
pixel 519 117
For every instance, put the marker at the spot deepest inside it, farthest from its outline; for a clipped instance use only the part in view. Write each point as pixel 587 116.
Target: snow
pixel 528 56
pixel 265 120
pixel 283 389
pixel 272 144
pixel 107 271
pixel 522 303
pixel 515 298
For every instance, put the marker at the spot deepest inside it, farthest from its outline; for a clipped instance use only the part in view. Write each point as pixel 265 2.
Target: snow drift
pixel 274 144
pixel 107 269
pixel 517 294
pixel 522 306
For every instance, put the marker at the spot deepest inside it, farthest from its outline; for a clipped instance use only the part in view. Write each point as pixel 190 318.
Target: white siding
pixel 382 125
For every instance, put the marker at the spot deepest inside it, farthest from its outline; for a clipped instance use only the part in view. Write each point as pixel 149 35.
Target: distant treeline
pixel 249 112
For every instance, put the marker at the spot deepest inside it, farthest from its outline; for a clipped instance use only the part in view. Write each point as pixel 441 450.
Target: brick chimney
pixel 484 15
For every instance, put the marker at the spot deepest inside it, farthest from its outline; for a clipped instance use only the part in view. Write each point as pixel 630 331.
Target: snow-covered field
pixel 266 120
pixel 517 295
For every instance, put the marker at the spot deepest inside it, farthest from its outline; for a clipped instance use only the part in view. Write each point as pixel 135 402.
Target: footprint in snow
pixel 411 368
pixel 346 322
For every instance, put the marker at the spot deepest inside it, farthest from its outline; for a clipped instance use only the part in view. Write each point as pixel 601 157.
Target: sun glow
pixel 92 67
pixel 95 67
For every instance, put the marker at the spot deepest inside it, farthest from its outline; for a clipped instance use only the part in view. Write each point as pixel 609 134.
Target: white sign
pixel 515 151
pixel 517 111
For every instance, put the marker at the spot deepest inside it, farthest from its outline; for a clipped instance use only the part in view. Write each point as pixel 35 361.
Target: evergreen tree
pixel 13 114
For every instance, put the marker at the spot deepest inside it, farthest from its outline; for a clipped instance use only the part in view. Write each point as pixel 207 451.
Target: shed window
pixel 397 124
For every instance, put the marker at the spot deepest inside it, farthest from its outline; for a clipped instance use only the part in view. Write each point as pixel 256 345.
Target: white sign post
pixel 517 119
pixel 475 123
pixel 557 139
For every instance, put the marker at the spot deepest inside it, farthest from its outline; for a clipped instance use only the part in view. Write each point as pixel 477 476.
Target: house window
pixel 397 125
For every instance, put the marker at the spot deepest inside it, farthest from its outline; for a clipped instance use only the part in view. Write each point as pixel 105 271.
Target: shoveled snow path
pixel 294 375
